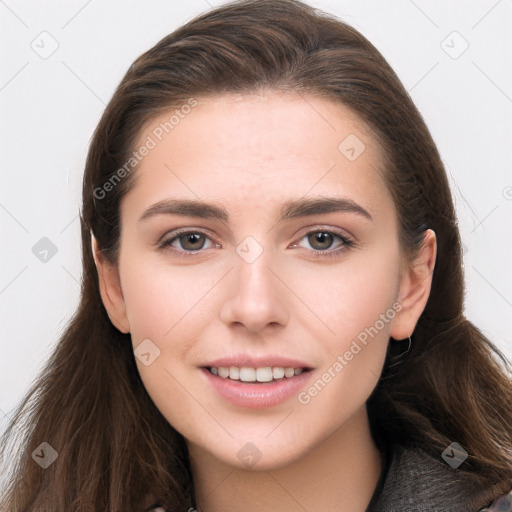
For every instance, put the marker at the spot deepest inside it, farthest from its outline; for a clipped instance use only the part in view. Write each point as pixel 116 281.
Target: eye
pixel 322 241
pixel 192 242
pixel 187 241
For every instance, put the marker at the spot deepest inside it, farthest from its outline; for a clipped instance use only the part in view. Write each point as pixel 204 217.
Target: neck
pixel 340 473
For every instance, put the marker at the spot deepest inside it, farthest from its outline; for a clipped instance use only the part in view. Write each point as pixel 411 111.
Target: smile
pixel 256 387
pixel 261 374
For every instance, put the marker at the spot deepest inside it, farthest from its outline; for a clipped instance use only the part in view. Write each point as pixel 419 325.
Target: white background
pixel 50 106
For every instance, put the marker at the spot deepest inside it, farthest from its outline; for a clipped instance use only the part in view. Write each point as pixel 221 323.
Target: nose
pixel 257 297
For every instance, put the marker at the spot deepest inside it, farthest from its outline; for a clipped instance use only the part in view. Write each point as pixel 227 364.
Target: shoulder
pixel 418 482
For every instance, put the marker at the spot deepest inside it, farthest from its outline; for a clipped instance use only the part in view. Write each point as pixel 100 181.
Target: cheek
pixel 350 297
pixel 356 303
pixel 160 298
pixel 168 306
pixel 172 306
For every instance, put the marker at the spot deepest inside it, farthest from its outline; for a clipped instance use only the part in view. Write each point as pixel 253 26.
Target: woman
pixel 272 298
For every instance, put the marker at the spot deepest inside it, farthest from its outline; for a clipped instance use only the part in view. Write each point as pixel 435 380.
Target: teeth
pixel 289 372
pixel 278 372
pixel 264 374
pixel 223 372
pixel 247 374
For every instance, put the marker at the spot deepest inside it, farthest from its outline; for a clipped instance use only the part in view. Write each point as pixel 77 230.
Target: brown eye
pixel 192 241
pixel 187 241
pixel 320 240
pixel 324 243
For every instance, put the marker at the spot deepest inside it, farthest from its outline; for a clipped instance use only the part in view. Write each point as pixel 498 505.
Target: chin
pixel 260 456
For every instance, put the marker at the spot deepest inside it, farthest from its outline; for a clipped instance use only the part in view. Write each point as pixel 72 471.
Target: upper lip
pixel 249 361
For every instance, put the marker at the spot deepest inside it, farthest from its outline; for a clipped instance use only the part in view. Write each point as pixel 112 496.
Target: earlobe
pixel 110 289
pixel 415 285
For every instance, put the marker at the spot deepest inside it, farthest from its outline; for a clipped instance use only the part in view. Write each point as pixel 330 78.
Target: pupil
pixel 321 237
pixel 192 239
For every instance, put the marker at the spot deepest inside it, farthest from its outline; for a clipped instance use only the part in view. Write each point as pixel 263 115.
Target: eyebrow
pixel 291 209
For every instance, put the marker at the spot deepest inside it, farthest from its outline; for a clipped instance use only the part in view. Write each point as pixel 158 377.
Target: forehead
pixel 259 149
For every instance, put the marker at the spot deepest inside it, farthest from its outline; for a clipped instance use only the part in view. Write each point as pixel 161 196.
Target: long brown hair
pixel 115 449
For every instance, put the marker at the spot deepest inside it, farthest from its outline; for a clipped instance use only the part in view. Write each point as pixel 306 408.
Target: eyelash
pixel 165 244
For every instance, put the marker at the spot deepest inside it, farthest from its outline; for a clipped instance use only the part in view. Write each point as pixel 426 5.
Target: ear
pixel 414 289
pixel 110 289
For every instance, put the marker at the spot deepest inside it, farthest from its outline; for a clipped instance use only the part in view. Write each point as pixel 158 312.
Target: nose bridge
pixel 255 275
pixel 257 296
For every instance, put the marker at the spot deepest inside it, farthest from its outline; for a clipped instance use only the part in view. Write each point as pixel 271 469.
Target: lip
pixel 256 362
pixel 257 396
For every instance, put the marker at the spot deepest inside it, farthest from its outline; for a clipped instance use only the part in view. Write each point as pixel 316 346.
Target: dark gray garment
pixel 413 481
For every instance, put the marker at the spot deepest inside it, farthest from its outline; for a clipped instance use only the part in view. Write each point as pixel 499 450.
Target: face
pixel 285 255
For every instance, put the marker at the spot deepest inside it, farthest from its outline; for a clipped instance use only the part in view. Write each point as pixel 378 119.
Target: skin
pixel 250 154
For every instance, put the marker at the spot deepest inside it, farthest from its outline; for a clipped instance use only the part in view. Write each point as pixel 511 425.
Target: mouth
pixel 259 375
pixel 253 387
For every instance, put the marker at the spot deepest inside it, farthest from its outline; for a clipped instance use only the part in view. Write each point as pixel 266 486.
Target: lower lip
pixel 257 396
